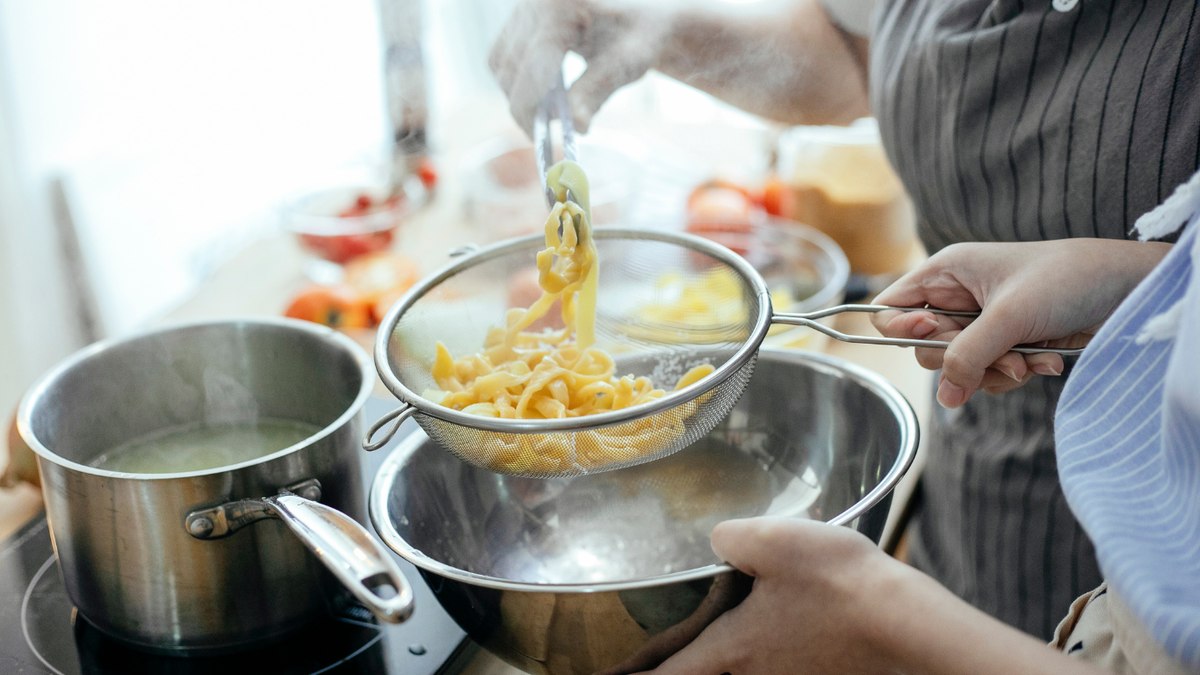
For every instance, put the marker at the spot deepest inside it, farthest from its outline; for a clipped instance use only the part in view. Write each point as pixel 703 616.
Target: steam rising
pixel 226 400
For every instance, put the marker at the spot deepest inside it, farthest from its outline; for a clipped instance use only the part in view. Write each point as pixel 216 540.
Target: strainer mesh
pixel 666 303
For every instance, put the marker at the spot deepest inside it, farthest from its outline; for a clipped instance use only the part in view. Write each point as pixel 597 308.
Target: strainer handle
pixel 396 418
pixel 809 319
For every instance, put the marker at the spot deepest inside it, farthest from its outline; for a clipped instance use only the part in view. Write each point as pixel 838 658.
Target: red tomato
pixel 721 211
pixel 720 202
pixel 333 306
pixel 777 198
pixel 427 173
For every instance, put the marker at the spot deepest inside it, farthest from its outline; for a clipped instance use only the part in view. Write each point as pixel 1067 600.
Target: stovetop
pixel 40 632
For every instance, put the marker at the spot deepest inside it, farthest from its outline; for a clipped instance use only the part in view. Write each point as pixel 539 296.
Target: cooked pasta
pixel 555 374
pixel 709 306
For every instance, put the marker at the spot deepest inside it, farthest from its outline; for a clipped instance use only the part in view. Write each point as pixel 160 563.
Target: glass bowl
pixel 805 269
pixel 336 225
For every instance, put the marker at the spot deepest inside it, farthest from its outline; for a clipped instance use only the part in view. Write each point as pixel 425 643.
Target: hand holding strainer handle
pixel 809 320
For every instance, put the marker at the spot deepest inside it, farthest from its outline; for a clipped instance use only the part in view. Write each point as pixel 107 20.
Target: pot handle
pixel 396 416
pixel 360 562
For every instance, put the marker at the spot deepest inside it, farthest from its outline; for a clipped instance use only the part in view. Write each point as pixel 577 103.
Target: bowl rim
pixel 381 489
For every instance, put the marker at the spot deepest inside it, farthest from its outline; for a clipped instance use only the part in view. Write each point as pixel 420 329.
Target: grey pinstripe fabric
pixel 1011 121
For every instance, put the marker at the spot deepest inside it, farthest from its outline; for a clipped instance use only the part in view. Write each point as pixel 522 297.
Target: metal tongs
pixel 553 106
pixel 809 320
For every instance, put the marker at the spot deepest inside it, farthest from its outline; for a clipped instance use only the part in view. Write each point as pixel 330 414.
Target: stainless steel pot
pixel 170 560
pixel 614 572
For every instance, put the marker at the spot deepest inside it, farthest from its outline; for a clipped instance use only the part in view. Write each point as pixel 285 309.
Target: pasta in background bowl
pixel 804 269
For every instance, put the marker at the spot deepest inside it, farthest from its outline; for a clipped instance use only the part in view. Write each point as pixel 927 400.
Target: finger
pixel 931 358
pixel 996 382
pixel 510 46
pixel 951 395
pixel 928 286
pixel 1003 387
pixel 980 344
pixel 712 652
pixel 500 58
pixel 740 541
pixel 934 283
pixel 906 291
pixel 1011 365
pixel 623 63
pixel 898 324
pixel 993 381
pixel 757 545
pixel 536 75
pixel 1045 364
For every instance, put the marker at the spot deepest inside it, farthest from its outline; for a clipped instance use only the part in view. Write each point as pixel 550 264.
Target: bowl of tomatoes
pixel 337 225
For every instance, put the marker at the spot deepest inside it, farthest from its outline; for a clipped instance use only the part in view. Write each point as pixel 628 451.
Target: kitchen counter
pixel 429 235
pixel 260 279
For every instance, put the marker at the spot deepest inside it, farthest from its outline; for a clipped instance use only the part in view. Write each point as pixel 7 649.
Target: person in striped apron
pixel 826 600
pixel 1007 121
pixel 1023 121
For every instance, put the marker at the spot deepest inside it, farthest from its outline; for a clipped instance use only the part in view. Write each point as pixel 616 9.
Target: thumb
pixel 607 71
pixel 537 73
pixel 756 545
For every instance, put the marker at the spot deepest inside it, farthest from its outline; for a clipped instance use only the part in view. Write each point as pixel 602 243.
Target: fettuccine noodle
pixel 555 374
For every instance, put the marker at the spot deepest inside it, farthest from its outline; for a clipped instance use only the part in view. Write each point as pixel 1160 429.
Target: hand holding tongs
pixel 553 106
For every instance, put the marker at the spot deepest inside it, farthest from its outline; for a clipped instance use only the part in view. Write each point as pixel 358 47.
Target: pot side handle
pixel 396 418
pixel 360 562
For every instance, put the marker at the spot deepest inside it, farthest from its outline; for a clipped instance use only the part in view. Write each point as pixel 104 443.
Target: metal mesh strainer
pixel 667 302
pixel 638 269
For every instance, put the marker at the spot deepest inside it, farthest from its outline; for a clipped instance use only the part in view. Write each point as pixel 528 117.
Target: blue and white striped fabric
pixel 1128 434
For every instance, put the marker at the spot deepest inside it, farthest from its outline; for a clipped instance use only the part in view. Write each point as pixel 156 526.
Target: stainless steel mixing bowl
pixel 614 571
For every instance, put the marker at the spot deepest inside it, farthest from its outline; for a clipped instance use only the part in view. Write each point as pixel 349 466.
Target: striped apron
pixel 1023 121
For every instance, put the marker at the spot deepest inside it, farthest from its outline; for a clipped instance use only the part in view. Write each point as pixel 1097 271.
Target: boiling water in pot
pixel 204 446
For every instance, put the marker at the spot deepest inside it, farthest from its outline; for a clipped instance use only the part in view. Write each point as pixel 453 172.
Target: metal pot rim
pixel 385 479
pixel 39 389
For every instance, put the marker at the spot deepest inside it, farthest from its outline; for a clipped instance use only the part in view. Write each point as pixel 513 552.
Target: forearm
pixel 927 630
pixel 792 64
pixel 1121 265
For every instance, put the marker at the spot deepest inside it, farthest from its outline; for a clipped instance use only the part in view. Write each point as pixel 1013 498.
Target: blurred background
pixel 148 148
